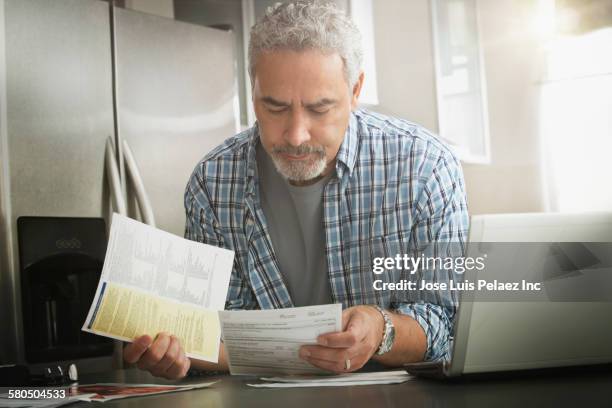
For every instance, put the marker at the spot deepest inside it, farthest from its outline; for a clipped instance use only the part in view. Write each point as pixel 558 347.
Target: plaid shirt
pixel 397 189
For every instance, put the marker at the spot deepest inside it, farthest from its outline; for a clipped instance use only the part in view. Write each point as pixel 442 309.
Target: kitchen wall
pixel 404 52
pixel 512 182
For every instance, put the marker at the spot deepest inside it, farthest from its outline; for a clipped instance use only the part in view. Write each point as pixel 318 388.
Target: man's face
pixel 302 102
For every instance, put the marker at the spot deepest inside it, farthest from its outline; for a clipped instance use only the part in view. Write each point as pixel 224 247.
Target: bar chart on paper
pixel 153 281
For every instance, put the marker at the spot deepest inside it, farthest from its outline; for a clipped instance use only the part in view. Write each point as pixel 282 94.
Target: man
pixel 313 193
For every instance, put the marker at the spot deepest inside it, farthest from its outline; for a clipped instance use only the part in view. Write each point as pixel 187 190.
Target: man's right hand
pixel 162 357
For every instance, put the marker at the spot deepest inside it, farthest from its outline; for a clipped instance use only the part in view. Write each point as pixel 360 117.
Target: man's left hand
pixel 351 348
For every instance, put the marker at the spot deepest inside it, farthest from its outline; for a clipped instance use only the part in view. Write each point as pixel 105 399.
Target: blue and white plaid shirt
pixel 397 189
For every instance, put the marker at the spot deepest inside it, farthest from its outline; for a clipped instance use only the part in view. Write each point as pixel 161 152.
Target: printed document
pixel 103 392
pixel 98 393
pixel 268 341
pixel 154 281
pixel 341 380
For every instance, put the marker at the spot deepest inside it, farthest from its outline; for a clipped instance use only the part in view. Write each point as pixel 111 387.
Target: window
pixel 576 109
pixel 460 84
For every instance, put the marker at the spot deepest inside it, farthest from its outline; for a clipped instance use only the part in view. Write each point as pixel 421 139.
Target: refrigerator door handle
pixel 114 181
pixel 146 209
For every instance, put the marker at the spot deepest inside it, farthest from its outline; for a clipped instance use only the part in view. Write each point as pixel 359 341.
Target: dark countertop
pixel 590 388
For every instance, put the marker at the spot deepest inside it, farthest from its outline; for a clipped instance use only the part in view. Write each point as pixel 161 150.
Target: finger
pixel 155 353
pixel 358 326
pixel 329 354
pixel 333 366
pixel 180 367
pixel 338 340
pixel 172 353
pixel 355 333
pixel 339 366
pixel 346 317
pixel 134 351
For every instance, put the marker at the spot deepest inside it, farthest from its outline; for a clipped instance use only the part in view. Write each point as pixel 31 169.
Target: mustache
pixel 299 150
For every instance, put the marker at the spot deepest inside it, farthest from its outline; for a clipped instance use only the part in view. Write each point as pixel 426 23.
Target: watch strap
pixel 388 332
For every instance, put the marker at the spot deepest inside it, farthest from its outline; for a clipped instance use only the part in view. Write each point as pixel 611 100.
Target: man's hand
pixel 351 348
pixel 162 357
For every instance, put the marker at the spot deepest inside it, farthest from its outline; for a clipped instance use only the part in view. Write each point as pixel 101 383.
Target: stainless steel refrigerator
pixel 80 77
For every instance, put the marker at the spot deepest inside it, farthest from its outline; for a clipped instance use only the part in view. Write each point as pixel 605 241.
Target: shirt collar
pixel 347 154
pixel 251 161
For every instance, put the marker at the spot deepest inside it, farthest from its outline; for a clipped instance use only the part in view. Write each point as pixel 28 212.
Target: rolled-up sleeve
pixel 441 230
pixel 437 325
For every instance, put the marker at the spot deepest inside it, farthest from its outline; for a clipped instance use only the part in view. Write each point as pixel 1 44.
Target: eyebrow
pixel 271 101
pixel 315 105
pixel 320 104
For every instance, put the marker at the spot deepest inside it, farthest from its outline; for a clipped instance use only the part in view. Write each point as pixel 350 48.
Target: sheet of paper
pixel 348 377
pixel 342 380
pixel 267 341
pixel 155 281
pixel 111 391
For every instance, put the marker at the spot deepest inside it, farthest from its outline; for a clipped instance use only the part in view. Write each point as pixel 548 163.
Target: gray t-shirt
pixel 295 222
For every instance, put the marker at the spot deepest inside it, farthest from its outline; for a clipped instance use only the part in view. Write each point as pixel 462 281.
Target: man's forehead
pixel 308 78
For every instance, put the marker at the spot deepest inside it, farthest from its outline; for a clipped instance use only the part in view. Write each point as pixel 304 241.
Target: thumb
pixel 347 315
pixel 355 324
pixel 132 352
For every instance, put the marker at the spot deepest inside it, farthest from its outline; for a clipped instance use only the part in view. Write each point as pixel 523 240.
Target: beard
pixel 299 170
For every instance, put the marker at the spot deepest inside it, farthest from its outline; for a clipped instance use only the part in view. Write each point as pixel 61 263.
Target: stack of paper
pixel 342 380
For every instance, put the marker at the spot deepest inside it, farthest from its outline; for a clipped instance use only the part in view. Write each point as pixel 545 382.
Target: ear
pixel 356 91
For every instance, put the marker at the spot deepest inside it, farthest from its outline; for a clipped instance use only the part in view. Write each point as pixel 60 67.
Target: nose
pixel 297 131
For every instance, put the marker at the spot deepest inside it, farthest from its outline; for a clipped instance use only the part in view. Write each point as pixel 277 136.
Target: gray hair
pixel 307 25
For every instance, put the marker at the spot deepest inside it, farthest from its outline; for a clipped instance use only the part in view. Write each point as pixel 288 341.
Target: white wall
pixel 406 88
pixel 513 181
pixel 404 51
pixel 404 54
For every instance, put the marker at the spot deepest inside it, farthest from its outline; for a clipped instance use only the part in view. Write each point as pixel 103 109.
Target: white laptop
pixel 493 336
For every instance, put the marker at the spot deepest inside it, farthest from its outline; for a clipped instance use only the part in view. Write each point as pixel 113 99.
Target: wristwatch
pixel 388 333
